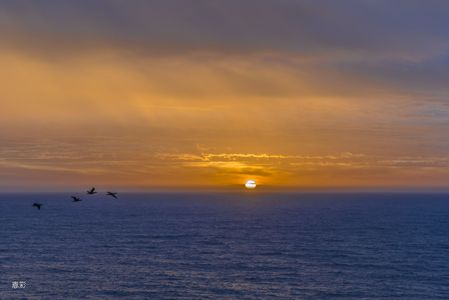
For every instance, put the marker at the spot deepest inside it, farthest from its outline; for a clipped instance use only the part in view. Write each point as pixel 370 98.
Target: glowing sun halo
pixel 250 184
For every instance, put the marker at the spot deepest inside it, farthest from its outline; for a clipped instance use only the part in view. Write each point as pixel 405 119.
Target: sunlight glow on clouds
pixel 291 93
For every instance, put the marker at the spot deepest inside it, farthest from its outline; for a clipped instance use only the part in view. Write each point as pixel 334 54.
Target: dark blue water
pixel 226 246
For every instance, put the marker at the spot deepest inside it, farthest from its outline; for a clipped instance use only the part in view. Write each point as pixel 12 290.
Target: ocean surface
pixel 225 246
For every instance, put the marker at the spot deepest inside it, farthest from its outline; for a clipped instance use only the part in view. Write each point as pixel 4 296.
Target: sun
pixel 250 184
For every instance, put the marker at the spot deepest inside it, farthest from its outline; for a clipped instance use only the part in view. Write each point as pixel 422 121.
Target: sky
pixel 186 94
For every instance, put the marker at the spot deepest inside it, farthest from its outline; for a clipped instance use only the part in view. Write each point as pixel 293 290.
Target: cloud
pixel 252 156
pixel 208 92
pixel 229 168
pixel 382 28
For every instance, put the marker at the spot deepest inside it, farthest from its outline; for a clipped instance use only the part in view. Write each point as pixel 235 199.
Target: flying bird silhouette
pixel 76 199
pixel 91 191
pixel 37 205
pixel 112 194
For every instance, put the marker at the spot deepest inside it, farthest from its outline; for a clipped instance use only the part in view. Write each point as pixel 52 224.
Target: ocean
pixel 225 246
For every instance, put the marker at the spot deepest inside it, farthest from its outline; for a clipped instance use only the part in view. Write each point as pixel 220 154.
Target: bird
pixel 91 191
pixel 37 205
pixel 112 194
pixel 76 199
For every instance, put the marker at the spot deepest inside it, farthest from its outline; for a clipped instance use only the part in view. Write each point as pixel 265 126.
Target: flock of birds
pixel 92 191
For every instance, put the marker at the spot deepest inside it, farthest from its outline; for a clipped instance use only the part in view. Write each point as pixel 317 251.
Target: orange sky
pixel 119 99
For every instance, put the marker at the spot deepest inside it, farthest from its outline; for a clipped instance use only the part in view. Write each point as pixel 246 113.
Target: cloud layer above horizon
pixel 144 94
